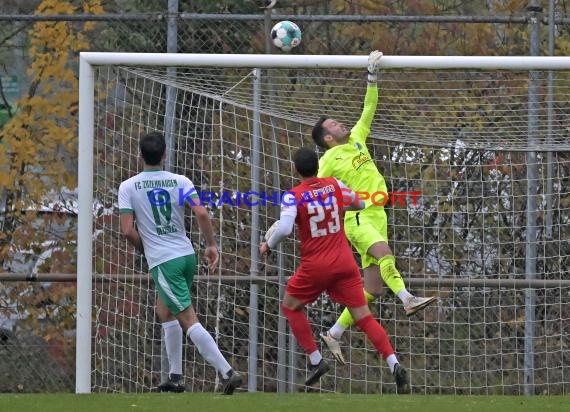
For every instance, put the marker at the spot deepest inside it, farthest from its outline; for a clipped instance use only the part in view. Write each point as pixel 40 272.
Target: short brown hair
pixel 319 132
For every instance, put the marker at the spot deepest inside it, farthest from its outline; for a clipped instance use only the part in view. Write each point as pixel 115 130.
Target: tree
pixel 38 146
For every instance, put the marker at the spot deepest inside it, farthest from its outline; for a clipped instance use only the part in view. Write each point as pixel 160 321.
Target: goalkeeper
pixel 347 158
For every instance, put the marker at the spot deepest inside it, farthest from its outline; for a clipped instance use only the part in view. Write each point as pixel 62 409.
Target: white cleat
pixel 416 304
pixel 334 346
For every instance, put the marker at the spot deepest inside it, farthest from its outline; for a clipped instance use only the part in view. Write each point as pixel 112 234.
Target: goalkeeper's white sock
pixel 404 296
pixel 173 344
pixel 208 349
pixel 337 330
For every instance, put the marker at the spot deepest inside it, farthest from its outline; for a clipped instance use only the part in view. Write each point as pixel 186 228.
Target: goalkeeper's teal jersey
pixel 351 162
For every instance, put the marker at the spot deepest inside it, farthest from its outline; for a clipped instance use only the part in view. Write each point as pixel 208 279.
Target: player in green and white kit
pixel 347 158
pixel 157 199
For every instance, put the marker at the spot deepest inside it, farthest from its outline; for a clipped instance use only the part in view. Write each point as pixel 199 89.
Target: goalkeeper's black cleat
pixel 316 371
pixel 233 381
pixel 402 380
pixel 173 384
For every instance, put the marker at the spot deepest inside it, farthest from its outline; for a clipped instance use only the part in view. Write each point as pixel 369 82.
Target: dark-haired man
pixel 317 206
pixel 347 158
pixel 152 197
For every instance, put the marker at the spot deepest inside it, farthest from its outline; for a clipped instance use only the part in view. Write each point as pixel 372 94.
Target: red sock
pixel 301 329
pixel 377 335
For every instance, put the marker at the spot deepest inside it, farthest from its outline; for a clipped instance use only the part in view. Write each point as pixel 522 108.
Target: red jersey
pixel 319 220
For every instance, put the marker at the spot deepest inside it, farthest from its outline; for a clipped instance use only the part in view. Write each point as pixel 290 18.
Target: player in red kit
pixel 317 206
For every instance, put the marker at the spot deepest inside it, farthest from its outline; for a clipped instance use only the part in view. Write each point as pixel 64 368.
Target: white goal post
pixel 89 61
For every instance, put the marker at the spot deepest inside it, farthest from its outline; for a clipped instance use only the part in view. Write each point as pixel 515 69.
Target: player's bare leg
pixel 373 284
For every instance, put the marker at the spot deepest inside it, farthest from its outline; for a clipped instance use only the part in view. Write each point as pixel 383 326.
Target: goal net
pixel 487 149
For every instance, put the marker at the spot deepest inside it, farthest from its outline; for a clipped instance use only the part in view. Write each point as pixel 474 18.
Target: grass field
pixel 251 402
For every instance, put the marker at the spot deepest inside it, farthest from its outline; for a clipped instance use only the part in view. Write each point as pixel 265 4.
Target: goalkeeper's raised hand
pixel 374 65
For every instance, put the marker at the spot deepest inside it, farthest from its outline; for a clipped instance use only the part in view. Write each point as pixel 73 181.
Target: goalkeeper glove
pixel 374 65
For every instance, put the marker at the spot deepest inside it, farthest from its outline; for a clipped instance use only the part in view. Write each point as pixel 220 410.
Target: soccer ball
pixel 286 35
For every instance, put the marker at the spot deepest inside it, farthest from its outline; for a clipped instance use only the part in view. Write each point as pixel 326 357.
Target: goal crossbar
pixel 328 61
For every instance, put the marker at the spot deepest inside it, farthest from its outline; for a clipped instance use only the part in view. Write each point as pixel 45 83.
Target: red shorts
pixel 343 284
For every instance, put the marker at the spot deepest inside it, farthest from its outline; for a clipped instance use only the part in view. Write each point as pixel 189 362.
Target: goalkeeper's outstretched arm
pixel 362 128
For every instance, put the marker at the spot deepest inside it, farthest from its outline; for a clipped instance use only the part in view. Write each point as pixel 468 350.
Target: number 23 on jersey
pixel 323 219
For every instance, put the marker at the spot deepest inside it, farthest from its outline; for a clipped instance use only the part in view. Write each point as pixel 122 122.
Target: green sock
pixel 345 318
pixel 390 274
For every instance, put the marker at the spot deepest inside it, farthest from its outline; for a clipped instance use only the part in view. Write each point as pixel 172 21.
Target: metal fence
pixel 186 32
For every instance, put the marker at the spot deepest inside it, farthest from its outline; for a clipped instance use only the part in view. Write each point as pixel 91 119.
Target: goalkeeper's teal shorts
pixel 173 280
pixel 364 228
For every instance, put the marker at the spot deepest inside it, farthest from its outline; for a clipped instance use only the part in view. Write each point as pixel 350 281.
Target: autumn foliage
pixel 38 148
